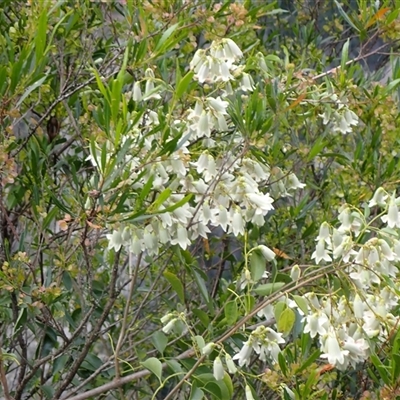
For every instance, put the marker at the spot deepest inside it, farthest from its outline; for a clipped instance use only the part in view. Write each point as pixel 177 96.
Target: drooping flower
pixel 244 354
pixel 379 198
pixel 332 350
pixel 261 201
pixel 218 369
pixel 393 216
pixel 230 364
pixel 115 240
pixel 321 253
pixel 316 323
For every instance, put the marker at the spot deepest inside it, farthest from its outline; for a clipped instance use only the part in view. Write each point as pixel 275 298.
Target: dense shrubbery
pixel 198 200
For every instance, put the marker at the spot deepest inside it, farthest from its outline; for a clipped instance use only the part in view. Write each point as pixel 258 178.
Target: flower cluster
pixel 191 191
pixel 264 342
pixel 348 326
pixel 341 119
pixel 216 63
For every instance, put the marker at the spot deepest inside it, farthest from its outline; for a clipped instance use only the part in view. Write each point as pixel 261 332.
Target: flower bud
pixel 230 364
pixel 218 369
pixel 208 348
pixel 295 273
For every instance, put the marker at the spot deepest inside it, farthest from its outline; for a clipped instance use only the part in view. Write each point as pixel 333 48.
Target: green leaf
pixel 346 17
pixel 278 309
pixel 345 55
pixel 395 367
pixel 249 302
pixel 50 216
pixel 159 341
pixel 257 265
pixel 301 302
pixel 319 145
pixel 228 383
pixel 48 391
pixel 391 86
pixel 180 203
pixel 40 35
pixel 231 312
pixel 21 320
pixel 165 36
pixel 184 84
pixel 146 188
pixel 286 321
pixel 310 360
pixel 101 86
pixel 58 203
pixel 59 363
pixel 30 89
pixel 384 371
pixel 269 288
pixel 176 285
pixel 214 389
pixel 163 196
pixel 115 99
pixel 282 364
pixel 67 280
pixel 202 316
pixel 153 365
pixel 174 365
pixel 203 290
pixel 196 393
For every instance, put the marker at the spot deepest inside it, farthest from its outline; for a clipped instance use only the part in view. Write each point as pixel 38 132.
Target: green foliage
pixel 79 311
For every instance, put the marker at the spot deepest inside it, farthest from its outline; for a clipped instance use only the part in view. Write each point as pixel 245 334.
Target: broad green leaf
pixel 231 312
pixel 48 391
pixel 116 99
pixel 202 316
pixel 159 341
pixel 176 285
pixel 257 265
pixel 196 393
pixel 174 365
pixel 153 365
pixel 269 288
pixel 301 302
pixel 391 86
pixel 278 309
pixel 286 321
pixel 228 383
pixel 59 363
pixel 214 389
pixel 92 362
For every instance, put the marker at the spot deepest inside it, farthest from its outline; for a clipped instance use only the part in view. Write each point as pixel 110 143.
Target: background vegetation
pixel 95 128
